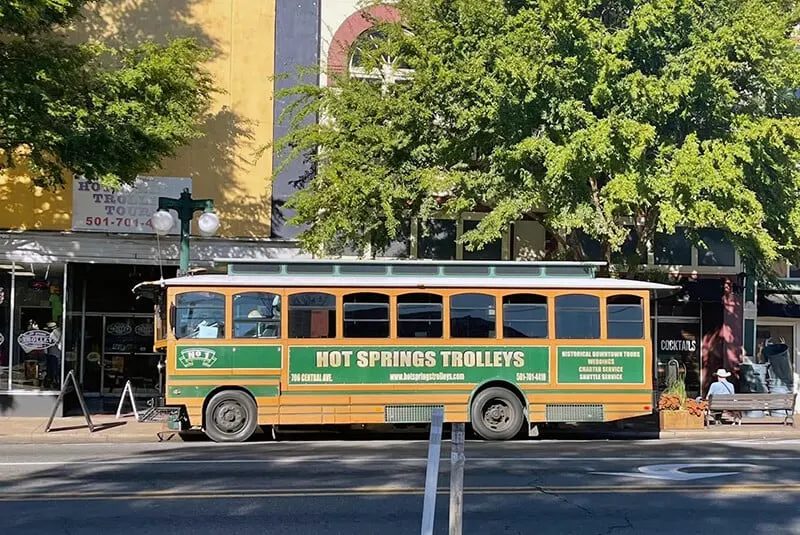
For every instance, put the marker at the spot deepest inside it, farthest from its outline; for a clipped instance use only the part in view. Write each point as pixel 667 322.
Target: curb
pixel 41 438
pixel 754 434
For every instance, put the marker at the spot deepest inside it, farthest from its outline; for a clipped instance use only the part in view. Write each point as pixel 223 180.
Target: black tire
pixel 231 416
pixel 497 414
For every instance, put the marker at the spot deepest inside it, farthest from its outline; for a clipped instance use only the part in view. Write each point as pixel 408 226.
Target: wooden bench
pixel 743 402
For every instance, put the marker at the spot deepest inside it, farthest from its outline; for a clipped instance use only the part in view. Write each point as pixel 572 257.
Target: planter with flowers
pixel 675 411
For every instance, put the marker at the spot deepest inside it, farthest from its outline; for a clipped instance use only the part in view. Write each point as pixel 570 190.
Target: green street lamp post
pixel 185 206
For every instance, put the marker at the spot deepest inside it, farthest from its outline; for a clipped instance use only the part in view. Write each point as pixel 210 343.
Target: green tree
pixel 87 109
pixel 590 116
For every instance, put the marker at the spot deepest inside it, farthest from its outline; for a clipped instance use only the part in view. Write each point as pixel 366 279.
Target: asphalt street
pixel 376 487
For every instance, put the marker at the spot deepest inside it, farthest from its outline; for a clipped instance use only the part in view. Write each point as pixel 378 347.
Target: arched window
pixel 341 47
pixel 390 69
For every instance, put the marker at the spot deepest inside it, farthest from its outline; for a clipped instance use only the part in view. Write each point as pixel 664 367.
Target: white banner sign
pixel 128 210
pixel 36 339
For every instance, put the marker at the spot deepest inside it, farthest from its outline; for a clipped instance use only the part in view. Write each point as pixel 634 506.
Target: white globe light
pixel 208 223
pixel 162 222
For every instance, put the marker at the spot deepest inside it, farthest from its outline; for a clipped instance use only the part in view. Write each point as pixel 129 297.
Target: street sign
pixel 675 472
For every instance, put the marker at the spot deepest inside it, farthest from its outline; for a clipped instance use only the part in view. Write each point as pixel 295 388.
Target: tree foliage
pixel 589 116
pixel 87 109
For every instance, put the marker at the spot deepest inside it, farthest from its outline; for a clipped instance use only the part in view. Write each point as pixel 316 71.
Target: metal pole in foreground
pixel 432 471
pixel 457 478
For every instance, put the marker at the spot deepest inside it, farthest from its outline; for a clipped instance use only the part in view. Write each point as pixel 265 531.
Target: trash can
pixel 753 380
pixel 780 379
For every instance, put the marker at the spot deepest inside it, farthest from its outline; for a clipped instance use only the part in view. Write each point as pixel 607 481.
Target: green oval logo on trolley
pixel 196 357
pixel 94 356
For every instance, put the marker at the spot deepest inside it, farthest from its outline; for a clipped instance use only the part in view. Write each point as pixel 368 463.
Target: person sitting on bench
pixel 722 386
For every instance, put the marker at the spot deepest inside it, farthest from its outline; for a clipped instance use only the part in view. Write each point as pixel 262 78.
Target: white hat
pixel 722 372
pixel 52 324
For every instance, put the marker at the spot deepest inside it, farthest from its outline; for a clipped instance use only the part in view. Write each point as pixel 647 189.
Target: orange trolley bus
pixel 500 345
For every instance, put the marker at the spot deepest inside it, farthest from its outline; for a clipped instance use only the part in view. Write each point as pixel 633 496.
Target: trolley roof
pixel 414 274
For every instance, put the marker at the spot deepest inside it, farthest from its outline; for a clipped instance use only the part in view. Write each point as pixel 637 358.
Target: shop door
pixel 678 353
pixel 128 355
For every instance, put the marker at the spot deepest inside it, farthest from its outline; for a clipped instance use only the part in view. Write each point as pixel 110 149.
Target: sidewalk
pixel 648 429
pixel 73 430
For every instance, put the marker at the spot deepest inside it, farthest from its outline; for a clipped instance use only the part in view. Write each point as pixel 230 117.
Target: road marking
pixel 392 491
pixel 363 460
pixel 674 472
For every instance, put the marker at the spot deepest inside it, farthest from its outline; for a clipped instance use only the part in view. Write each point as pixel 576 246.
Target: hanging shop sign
pixel 94 356
pixel 35 340
pixel 127 210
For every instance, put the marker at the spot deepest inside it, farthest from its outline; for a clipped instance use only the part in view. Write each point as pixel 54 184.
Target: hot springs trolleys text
pixel 373 365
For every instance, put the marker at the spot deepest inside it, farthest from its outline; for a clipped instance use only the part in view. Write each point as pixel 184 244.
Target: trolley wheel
pixel 497 414
pixel 231 416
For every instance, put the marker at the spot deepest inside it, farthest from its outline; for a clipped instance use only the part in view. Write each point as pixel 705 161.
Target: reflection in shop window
pixel 256 315
pixel 200 315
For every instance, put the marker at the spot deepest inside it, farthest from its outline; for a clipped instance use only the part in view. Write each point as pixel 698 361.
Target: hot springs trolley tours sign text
pixel 606 365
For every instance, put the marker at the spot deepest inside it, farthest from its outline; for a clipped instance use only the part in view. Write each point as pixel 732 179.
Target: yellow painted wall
pixel 222 164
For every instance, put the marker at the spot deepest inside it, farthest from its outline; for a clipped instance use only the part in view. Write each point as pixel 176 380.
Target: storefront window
pixel 5 327
pixel 673 249
pixel 491 251
pixel 718 251
pixel 38 316
pixel 439 243
pixel 678 353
